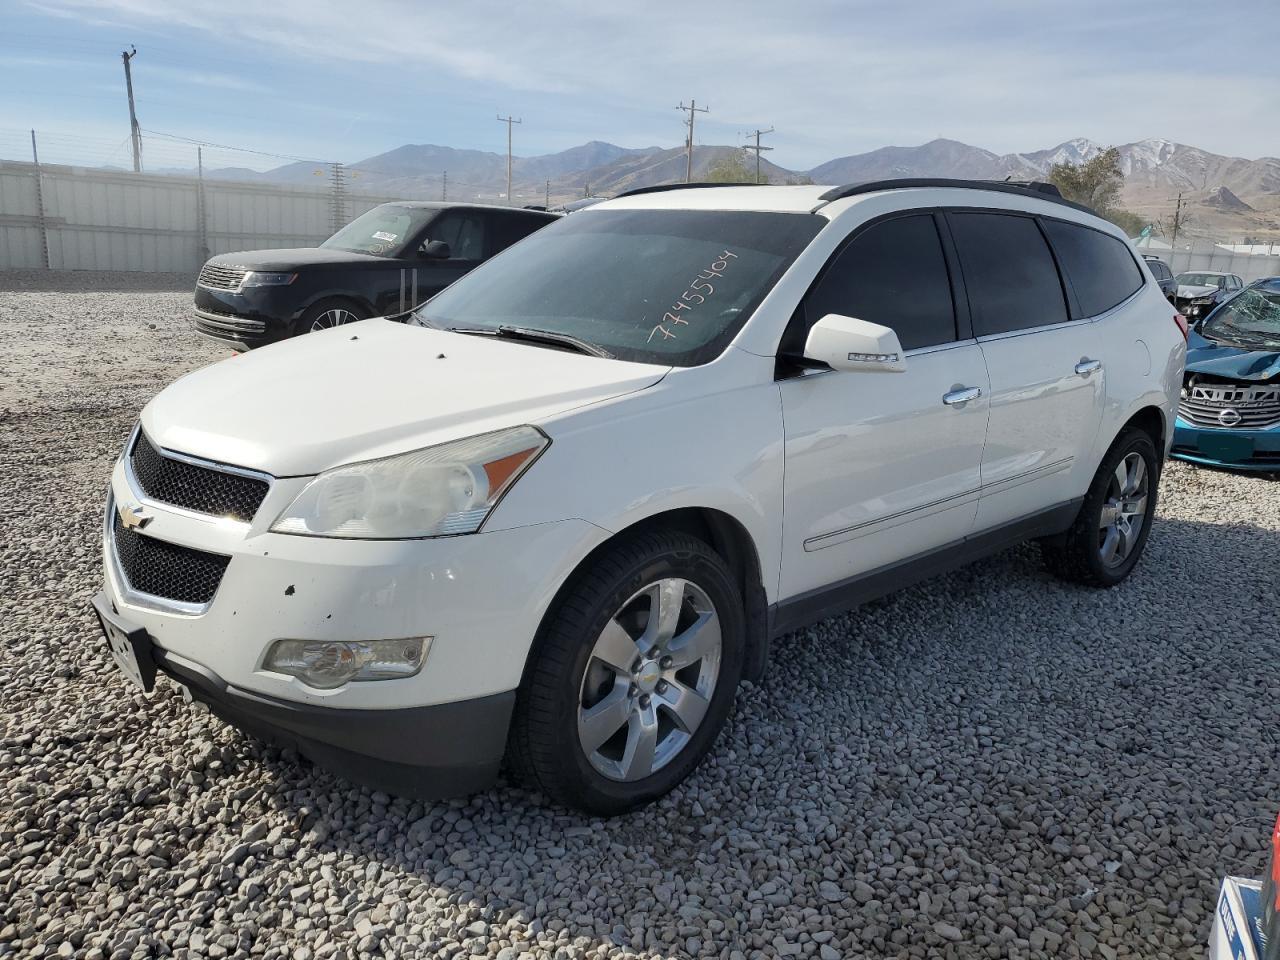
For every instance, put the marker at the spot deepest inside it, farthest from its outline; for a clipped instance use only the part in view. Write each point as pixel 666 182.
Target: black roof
pixel 451 205
pixel 1035 189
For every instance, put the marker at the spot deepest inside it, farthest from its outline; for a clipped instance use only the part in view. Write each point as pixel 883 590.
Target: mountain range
pixel 1224 193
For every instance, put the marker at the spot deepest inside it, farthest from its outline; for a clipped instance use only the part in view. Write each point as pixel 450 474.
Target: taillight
pixel 1181 321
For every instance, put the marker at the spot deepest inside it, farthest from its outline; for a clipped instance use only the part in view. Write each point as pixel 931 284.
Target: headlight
pixel 438 491
pixel 326 664
pixel 255 279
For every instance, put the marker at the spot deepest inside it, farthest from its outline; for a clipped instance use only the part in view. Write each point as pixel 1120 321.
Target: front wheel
pixel 329 314
pixel 1104 544
pixel 633 675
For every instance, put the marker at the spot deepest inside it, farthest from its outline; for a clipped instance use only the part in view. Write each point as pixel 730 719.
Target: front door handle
pixel 1087 368
pixel 958 398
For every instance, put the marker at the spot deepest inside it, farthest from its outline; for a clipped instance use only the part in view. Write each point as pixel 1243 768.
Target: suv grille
pixel 201 489
pixel 1233 405
pixel 218 277
pixel 164 569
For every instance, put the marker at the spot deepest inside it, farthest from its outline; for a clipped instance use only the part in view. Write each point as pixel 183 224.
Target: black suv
pixel 384 262
pixel 1164 276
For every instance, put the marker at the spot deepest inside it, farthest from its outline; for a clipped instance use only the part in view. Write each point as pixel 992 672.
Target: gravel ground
pixel 989 765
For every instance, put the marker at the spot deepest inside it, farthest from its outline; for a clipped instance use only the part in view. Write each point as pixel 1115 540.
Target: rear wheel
pixel 633 676
pixel 1104 544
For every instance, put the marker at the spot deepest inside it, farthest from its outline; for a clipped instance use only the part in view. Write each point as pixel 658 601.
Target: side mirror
pixel 847 343
pixel 436 250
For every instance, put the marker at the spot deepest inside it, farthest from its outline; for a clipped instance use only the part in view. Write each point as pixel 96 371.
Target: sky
pixel 323 80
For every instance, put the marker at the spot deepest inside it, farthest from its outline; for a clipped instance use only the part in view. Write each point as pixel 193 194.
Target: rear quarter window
pixel 1101 270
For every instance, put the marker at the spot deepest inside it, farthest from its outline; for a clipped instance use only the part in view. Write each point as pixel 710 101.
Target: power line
pixel 757 148
pixel 509 121
pixel 693 109
pixel 223 146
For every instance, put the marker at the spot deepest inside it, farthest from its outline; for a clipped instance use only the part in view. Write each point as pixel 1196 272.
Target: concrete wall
pixel 1249 262
pixel 106 220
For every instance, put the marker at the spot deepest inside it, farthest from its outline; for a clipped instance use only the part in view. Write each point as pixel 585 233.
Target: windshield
pixel 1251 318
pixel 1200 279
pixel 654 286
pixel 383 231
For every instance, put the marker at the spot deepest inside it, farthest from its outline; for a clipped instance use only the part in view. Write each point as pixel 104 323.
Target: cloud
pixel 833 76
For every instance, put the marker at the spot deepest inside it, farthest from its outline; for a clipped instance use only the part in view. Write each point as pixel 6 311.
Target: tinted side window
pixel 893 274
pixel 1159 270
pixel 1009 272
pixel 462 230
pixel 1100 268
pixel 508 228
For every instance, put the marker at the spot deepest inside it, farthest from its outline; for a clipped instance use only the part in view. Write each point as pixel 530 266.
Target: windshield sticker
pixel 383 235
pixel 700 288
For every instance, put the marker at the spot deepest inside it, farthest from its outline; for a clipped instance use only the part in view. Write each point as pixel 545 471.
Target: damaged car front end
pixel 1229 413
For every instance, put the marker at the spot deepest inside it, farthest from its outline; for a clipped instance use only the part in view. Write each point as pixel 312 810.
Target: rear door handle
pixel 958 398
pixel 1087 368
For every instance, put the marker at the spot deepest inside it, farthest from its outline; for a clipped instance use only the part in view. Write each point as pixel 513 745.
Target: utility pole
pixel 44 226
pixel 135 132
pixel 509 121
pixel 444 186
pixel 757 148
pixel 337 196
pixel 547 202
pixel 202 227
pixel 692 109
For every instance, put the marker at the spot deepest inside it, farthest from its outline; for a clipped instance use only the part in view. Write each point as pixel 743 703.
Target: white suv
pixel 556 516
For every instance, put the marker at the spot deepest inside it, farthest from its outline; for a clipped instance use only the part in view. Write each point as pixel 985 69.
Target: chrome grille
pixel 202 489
pixel 1235 406
pixel 217 277
pixel 165 570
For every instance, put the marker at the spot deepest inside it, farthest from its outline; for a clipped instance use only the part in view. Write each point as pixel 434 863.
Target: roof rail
pixel 1024 188
pixel 664 187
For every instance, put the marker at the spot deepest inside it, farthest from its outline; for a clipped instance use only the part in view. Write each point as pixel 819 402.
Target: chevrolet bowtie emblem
pixel 133 517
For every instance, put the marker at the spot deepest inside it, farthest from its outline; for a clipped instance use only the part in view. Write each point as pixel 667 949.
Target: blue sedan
pixel 1229 415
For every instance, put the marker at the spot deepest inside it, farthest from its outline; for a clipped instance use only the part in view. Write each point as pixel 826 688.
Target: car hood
pixel 292 258
pixel 373 389
pixel 1224 360
pixel 1189 291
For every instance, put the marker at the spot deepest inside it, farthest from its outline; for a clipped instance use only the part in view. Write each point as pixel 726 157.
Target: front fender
pixel 620 462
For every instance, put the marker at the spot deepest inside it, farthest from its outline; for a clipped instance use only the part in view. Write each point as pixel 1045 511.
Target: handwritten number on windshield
pixel 699 289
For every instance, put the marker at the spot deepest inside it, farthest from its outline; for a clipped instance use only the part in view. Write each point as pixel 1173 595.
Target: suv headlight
pixel 434 492
pixel 326 664
pixel 255 278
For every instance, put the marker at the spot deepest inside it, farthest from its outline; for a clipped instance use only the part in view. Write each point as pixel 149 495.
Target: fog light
pixel 326 664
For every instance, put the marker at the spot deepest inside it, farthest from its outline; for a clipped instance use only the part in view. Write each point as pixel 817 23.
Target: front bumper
pixel 1257 450
pixel 244 319
pixel 428 752
pixel 480 597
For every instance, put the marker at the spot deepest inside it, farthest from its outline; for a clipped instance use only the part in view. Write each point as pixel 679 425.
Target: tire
pixel 326 314
pixel 1084 554
pixel 581 681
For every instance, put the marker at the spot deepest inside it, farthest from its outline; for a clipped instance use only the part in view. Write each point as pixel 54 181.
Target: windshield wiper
pixel 550 338
pixel 418 318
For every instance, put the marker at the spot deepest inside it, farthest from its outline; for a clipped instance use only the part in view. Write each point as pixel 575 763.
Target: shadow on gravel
pixel 992 762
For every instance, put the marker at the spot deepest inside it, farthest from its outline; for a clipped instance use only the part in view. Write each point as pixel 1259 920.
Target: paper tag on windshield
pixel 383 235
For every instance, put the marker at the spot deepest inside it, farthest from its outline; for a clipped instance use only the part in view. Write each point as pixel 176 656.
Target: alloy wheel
pixel 332 318
pixel 649 680
pixel 1123 510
